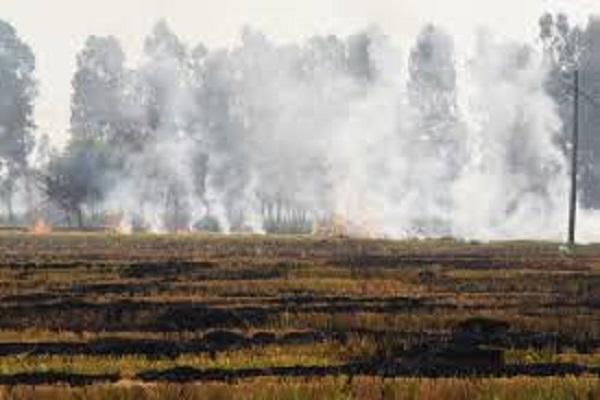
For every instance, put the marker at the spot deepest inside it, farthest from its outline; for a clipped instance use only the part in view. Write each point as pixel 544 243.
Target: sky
pixel 57 29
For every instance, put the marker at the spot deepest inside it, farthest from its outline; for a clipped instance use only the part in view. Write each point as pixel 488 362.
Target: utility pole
pixel 574 160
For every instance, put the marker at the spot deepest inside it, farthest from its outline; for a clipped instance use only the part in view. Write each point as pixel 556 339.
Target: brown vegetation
pixel 93 308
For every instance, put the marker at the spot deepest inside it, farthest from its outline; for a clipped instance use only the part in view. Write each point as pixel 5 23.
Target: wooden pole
pixel 574 161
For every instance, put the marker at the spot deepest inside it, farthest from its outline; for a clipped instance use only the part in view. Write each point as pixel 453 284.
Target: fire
pixel 117 223
pixel 124 228
pixel 40 227
pixel 338 226
pixel 331 227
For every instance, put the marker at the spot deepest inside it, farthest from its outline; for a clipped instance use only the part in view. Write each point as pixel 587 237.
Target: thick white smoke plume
pixel 435 140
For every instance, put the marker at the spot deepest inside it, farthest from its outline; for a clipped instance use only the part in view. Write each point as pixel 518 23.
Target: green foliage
pixel 18 90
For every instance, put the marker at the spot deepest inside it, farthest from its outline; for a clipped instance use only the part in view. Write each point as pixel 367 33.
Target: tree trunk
pixel 31 200
pixel 79 215
pixel 9 207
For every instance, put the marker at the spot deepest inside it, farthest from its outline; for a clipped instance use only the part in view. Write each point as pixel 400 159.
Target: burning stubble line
pixel 438 140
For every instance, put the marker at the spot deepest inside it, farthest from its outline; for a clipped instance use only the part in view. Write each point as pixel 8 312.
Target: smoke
pixel 515 175
pixel 434 140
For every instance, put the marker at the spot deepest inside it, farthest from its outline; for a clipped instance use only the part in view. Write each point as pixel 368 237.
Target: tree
pixel 432 95
pixel 166 72
pixel 359 57
pixel 97 90
pixel 108 100
pixel 18 89
pixel 566 49
pixel 589 76
pixel 562 45
pixel 562 42
pixel 108 126
pixel 72 179
pixel 168 75
pixel 432 84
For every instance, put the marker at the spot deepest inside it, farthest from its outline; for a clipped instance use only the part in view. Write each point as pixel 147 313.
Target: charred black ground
pixel 92 308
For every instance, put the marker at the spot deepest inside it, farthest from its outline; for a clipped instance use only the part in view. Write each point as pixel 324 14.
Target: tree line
pixel 179 137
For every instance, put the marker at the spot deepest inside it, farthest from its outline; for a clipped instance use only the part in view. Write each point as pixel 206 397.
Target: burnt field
pixel 192 316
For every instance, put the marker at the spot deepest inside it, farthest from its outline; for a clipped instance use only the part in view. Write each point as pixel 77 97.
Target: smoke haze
pixel 415 143
pixel 442 127
pixel 57 30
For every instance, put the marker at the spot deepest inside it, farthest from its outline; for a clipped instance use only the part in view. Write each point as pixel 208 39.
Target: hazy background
pixel 57 29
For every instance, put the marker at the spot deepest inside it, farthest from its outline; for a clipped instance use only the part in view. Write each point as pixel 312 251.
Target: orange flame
pixel 40 227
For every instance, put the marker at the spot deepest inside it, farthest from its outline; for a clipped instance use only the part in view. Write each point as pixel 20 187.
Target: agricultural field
pixel 104 316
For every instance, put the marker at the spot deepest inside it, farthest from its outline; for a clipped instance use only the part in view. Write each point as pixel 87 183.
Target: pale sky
pixel 57 29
